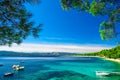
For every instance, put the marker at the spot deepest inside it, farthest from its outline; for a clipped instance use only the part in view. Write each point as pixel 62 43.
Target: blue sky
pixel 63 31
pixel 68 27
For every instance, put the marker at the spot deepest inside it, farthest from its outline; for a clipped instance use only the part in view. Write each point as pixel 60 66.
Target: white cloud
pixel 25 47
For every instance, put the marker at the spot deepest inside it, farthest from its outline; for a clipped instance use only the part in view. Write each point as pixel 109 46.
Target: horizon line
pixel 71 48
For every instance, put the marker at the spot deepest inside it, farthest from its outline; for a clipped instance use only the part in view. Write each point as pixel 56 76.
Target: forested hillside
pixel 109 53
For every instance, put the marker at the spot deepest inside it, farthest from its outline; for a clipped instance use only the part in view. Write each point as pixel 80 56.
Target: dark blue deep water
pixel 58 68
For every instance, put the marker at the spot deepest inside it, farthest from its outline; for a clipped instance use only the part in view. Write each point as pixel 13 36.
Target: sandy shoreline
pixel 111 59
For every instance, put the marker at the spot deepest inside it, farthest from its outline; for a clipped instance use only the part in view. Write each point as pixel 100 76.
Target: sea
pixel 58 68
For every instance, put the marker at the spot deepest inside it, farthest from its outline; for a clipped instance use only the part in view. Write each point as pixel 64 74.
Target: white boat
pixel 21 68
pixel 102 73
pixel 17 67
pixel 105 73
pixel 8 74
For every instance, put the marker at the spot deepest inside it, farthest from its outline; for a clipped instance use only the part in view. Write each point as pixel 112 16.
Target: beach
pixel 112 59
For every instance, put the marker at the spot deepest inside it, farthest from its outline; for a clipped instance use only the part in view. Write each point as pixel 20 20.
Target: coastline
pixel 112 59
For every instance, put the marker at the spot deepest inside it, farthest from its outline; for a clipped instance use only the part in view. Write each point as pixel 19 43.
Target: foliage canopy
pixel 15 24
pixel 109 8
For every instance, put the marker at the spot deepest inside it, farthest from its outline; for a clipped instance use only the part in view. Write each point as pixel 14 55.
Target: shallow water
pixel 58 68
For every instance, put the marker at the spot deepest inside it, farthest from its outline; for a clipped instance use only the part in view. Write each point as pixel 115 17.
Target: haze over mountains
pixel 69 48
pixel 21 54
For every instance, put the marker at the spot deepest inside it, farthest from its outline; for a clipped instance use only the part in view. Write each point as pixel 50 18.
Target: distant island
pixel 35 54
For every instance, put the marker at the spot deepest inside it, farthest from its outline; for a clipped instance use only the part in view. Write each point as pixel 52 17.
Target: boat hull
pixel 103 73
pixel 8 74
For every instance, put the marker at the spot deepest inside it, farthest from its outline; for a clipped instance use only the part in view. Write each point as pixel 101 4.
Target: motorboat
pixel 17 67
pixel 8 74
pixel 20 68
pixel 105 73
pixel 102 73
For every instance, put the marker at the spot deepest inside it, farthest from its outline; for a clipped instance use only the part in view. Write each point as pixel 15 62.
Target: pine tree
pixel 15 24
pixel 109 8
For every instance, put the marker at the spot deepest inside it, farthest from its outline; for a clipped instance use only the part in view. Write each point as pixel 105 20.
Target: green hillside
pixel 108 53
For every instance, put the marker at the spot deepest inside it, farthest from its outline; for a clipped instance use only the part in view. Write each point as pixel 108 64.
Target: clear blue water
pixel 58 68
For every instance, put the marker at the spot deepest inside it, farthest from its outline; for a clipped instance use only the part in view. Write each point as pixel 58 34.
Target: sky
pixel 72 29
pixel 60 26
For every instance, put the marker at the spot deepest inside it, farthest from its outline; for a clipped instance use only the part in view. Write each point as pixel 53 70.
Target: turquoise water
pixel 58 68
